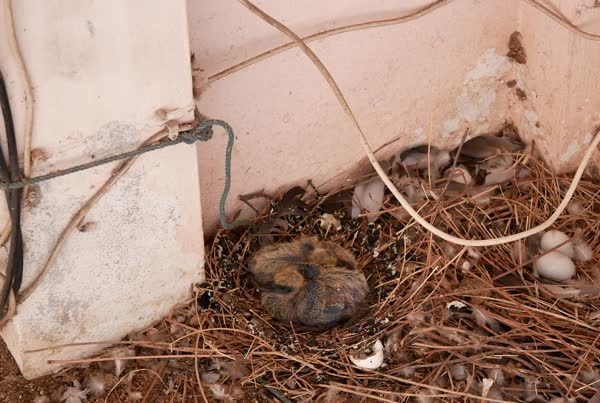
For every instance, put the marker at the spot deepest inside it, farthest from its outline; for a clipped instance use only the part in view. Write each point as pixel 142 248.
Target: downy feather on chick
pixel 311 283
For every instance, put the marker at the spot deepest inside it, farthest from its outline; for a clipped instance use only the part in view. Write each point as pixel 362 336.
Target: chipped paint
pixel 479 93
pixel 572 149
pixel 450 125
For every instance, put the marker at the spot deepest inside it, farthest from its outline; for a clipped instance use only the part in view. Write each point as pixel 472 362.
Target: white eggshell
pixel 373 361
pixel 554 266
pixel 554 238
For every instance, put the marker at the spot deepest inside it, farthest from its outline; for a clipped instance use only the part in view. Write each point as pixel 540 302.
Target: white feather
pixel 368 196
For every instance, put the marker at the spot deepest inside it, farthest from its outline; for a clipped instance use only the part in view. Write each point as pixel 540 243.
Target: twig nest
pixel 554 266
pixel 373 361
pixel 553 238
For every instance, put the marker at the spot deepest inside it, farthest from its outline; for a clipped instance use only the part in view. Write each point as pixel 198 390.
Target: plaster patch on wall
pixel 450 125
pixel 420 134
pixel 570 152
pixel 475 105
pixel 490 64
pixel 575 147
pixel 482 128
pixel 532 117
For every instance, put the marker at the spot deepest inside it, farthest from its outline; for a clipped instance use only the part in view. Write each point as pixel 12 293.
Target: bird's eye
pixel 282 289
pixel 277 288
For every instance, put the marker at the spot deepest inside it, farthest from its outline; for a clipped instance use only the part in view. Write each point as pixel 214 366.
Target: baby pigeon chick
pixel 312 284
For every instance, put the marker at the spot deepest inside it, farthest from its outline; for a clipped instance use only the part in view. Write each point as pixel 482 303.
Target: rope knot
pixel 203 132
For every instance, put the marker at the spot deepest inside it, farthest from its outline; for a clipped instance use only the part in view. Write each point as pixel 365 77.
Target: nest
pixel 456 323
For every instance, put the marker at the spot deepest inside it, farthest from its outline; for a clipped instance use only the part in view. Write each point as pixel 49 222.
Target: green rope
pixel 202 132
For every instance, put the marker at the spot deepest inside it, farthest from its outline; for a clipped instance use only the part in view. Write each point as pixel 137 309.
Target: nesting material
pixel 507 326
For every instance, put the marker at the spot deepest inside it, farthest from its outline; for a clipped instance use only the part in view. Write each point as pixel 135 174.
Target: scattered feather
pixel 458 372
pixel 425 396
pixel 449 250
pixel 210 377
pixel 531 388
pixel 563 292
pixel 406 372
pixel 96 384
pixel 121 364
pixel 290 204
pixel 575 208
pixel 452 335
pixel 590 376
pixel 495 393
pixel 421 157
pixel 496 375
pixel 74 394
pixel 368 196
pixel 496 176
pixel 485 320
pixel 582 251
pixel 473 253
pixel 228 393
pixel 518 252
pixel 416 318
pixel 41 399
pixel 486 146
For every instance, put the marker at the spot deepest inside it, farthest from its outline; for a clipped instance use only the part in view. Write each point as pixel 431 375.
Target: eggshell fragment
pixel 460 175
pixel 554 238
pixel 373 361
pixel 554 266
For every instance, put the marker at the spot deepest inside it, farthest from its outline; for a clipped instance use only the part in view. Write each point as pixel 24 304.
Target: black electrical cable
pixel 11 171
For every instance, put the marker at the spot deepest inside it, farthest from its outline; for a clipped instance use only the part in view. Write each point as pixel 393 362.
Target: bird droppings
pixel 521 95
pixel 516 52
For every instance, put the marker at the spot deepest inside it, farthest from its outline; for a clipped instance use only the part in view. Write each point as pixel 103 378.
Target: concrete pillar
pixel 99 72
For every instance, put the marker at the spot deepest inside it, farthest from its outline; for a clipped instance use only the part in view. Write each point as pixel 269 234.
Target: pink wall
pixel 444 70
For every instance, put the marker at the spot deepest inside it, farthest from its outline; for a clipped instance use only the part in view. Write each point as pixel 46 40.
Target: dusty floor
pixel 14 388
